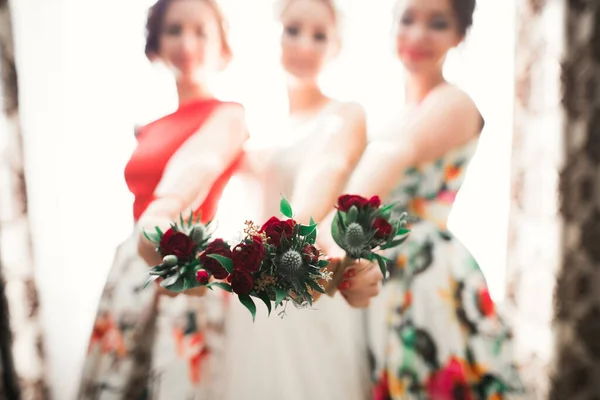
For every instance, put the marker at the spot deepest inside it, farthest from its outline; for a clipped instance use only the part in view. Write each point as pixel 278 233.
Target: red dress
pixel 141 342
pixel 157 142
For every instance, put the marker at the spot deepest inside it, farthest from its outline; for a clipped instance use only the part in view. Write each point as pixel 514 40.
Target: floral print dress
pixel 444 337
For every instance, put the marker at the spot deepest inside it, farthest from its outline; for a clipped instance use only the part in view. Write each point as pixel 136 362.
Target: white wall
pixel 85 82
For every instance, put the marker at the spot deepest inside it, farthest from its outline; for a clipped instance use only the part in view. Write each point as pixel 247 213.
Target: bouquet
pixel 185 248
pixel 277 262
pixel 360 227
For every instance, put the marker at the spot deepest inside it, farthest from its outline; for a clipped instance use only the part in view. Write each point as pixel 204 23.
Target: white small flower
pixel 326 274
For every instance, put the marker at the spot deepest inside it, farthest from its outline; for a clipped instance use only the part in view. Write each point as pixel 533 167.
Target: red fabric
pixel 157 142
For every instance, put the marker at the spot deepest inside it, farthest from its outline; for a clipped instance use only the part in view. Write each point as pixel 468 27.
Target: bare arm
pixel 192 171
pixel 448 118
pixel 320 181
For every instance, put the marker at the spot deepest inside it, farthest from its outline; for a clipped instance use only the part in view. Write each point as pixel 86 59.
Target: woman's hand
pixel 362 281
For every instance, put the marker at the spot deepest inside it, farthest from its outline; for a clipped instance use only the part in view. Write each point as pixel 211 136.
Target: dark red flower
pixel 275 229
pixel 219 247
pixel 177 244
pixel 202 277
pixel 374 202
pixel 241 281
pixel 249 255
pixel 383 229
pixel 346 201
pixel 310 253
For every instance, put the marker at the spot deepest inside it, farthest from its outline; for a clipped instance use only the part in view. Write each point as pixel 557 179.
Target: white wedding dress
pixel 310 354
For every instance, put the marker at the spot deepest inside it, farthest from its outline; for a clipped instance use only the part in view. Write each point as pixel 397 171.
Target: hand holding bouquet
pixel 360 227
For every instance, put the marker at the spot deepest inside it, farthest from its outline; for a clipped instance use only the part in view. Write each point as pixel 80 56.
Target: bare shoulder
pixel 228 120
pixel 230 111
pixel 453 99
pixel 352 110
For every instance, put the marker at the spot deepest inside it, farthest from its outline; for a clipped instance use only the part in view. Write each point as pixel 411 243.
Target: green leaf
pixel 181 220
pixel 382 265
pixel 403 231
pixel 171 279
pixel 335 230
pixel 385 214
pixel 385 210
pixel 249 304
pixel 280 295
pixel 153 237
pixel 158 272
pixel 224 261
pixel 150 280
pixel 352 214
pixel 397 239
pixel 220 285
pixel 315 286
pixel 306 230
pixel 173 283
pixel 265 298
pixel 312 237
pixel 160 233
pixel 322 263
pixel 285 207
pixel 393 243
pixel 191 219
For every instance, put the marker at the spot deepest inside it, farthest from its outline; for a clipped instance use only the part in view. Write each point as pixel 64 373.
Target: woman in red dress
pixel 144 343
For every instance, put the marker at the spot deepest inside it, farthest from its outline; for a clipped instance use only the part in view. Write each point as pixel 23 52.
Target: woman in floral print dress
pixel 443 337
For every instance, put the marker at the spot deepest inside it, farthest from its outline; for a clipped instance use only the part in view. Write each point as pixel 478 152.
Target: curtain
pixel 21 348
pixel 577 306
pixel 535 226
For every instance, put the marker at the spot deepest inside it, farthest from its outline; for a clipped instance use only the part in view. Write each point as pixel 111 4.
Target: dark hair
pixel 156 17
pixel 464 9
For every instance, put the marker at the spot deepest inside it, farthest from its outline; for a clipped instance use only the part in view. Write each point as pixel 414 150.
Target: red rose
pixel 177 244
pixel 275 229
pixel 241 281
pixel 345 202
pixel 311 254
pixel 202 277
pixel 249 255
pixel 383 229
pixel 219 247
pixel 374 202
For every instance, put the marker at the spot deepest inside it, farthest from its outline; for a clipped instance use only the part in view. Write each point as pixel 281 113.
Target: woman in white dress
pixel 309 354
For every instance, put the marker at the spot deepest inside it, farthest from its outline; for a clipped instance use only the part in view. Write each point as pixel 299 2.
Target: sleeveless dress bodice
pixel 157 142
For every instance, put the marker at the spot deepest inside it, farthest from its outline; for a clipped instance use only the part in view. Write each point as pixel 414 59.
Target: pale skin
pixel 309 40
pixel 439 117
pixel 191 47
